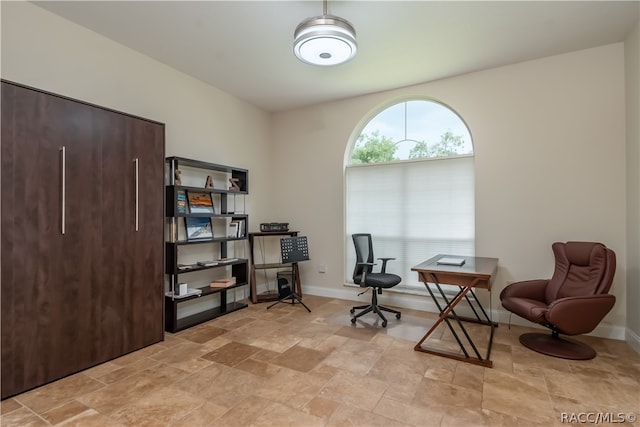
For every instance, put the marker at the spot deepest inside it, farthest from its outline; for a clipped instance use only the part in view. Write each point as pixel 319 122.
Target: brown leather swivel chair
pixel 574 301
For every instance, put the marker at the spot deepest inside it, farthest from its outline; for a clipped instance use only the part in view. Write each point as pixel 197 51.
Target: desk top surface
pixel 473 266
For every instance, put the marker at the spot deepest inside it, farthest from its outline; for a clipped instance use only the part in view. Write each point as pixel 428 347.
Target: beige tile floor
pixel 287 367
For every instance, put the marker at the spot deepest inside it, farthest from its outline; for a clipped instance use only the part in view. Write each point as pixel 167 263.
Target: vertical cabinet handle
pixel 63 192
pixel 136 162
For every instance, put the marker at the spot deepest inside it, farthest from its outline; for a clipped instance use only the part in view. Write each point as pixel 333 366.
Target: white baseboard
pixel 350 293
pixel 603 330
pixel 632 339
pixel 426 304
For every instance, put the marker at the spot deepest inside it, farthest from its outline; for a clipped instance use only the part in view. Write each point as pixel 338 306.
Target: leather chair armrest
pixel 530 289
pixel 579 315
pixel 384 264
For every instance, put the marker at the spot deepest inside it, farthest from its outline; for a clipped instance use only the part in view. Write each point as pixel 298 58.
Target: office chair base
pixel 378 309
pixel 553 345
pixel 294 297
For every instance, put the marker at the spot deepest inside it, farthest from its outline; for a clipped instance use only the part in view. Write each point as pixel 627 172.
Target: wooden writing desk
pixel 476 272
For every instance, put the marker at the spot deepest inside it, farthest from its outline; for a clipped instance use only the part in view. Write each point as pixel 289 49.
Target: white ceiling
pixel 245 47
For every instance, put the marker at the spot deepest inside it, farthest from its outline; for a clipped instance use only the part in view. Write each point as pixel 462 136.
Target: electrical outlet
pixel 322 268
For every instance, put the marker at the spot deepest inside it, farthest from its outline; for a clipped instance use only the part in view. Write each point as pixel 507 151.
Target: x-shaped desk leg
pixel 448 312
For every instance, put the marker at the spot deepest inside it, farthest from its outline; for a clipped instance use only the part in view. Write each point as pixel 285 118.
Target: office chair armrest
pixel 384 264
pixel 367 263
pixel 363 280
pixel 579 315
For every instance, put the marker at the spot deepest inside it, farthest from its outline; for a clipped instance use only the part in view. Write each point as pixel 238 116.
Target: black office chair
pixel 364 276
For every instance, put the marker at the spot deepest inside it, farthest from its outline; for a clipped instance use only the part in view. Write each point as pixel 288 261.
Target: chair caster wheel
pixel 384 323
pixel 398 315
pixel 352 311
pixel 353 320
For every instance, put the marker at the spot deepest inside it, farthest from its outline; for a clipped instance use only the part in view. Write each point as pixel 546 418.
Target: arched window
pixel 410 183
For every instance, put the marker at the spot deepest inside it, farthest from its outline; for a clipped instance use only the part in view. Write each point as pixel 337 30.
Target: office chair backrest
pixel 364 253
pixel 582 268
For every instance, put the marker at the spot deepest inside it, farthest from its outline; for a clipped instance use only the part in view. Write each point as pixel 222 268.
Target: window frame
pixel 406 286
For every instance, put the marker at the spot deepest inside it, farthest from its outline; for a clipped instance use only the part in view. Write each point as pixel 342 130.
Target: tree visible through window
pixel 412 130
pixel 410 183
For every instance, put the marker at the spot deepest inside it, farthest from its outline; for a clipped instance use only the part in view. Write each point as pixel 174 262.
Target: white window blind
pixel 413 209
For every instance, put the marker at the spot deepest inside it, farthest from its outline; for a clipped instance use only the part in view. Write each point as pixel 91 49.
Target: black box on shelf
pixel 274 226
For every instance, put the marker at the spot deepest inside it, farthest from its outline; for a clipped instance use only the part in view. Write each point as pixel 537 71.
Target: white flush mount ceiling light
pixel 325 40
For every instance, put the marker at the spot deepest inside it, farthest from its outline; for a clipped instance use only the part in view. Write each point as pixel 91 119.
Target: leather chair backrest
pixel 582 268
pixel 364 253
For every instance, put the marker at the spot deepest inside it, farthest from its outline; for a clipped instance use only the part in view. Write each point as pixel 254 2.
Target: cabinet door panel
pixel 44 272
pixel 133 155
pixel 147 275
pixel 82 245
pixel 117 196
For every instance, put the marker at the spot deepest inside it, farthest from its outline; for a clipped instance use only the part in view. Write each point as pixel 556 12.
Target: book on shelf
pixel 226 260
pixel 242 228
pixel 185 266
pixel 223 283
pixel 182 202
pixel 190 292
pixel 198 228
pixel 200 202
pixel 207 263
pixel 232 230
pixel 237 228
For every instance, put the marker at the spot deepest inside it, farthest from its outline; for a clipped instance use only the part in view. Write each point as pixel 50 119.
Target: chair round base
pixel 555 346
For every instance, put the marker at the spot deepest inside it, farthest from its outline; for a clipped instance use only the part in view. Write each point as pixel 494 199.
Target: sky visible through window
pixel 425 121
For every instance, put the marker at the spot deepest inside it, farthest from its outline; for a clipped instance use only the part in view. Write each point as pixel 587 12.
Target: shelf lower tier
pixel 173 324
pixel 206 290
pixel 203 316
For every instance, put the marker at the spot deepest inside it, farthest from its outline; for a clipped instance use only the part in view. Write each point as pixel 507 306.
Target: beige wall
pixel 549 139
pixel 632 75
pixel 542 129
pixel 42 50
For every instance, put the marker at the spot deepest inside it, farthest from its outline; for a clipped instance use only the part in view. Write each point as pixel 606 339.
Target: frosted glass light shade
pixel 325 40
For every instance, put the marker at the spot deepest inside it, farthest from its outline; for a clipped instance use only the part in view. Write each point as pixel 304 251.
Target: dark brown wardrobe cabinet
pixel 82 236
